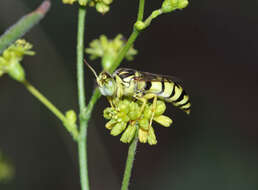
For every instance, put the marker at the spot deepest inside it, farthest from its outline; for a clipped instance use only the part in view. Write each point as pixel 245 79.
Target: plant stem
pixel 82 146
pixel 140 10
pixel 23 25
pixel 51 107
pixel 131 39
pixel 129 163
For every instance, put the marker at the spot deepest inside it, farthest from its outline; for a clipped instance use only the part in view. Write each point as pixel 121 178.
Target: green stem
pixel 82 146
pixel 131 39
pixel 129 164
pixel 51 107
pixel 23 25
pixel 140 10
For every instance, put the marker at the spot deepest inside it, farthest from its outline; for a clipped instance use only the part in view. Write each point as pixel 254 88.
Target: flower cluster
pixel 102 6
pixel 108 50
pixel 126 116
pixel 171 5
pixel 11 57
pixel 81 2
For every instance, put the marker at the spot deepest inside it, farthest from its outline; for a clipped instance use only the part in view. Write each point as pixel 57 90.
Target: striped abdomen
pixel 170 92
pixel 148 83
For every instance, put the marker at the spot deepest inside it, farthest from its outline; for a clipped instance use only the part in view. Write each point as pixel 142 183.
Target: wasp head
pixel 106 83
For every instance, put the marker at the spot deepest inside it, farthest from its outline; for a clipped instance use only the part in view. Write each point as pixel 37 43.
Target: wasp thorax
pixel 107 84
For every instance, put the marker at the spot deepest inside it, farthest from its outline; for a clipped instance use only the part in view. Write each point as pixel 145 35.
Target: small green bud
pixel 182 4
pixel 17 72
pixel 71 116
pixel 152 137
pixel 139 25
pixel 107 1
pixel 125 118
pixel 68 1
pixel 147 112
pixel 163 120
pixel 83 2
pixel 109 125
pixel 108 112
pixel 123 106
pixel 102 7
pixel 129 134
pixel 134 111
pixel 144 123
pixel 118 128
pixel 133 115
pixel 160 108
pixel 142 135
pixel 107 61
pixel 171 5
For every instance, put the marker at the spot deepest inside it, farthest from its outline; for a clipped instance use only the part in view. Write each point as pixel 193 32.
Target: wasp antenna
pixel 94 72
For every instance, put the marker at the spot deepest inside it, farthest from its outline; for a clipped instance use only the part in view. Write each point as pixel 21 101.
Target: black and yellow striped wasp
pixel 142 86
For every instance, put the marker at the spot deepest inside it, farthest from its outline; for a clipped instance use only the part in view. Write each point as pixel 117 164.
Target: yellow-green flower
pixel 171 5
pixel 11 58
pixel 81 2
pixel 125 117
pixel 108 49
pixel 102 6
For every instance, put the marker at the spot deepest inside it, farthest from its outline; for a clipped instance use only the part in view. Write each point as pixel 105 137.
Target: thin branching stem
pixel 131 39
pixel 82 146
pixel 37 94
pixel 129 164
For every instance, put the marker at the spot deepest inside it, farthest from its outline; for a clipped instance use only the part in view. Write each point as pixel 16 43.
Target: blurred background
pixel 211 46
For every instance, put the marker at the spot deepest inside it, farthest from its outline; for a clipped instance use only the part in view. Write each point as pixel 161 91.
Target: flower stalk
pixel 129 164
pixel 23 25
pixel 82 145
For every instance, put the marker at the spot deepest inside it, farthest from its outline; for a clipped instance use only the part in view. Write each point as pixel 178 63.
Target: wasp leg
pixel 154 105
pixel 110 101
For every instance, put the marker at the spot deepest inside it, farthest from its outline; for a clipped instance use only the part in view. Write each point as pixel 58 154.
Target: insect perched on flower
pixel 142 86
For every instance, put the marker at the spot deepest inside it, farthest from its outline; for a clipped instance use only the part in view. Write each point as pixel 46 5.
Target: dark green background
pixel 211 46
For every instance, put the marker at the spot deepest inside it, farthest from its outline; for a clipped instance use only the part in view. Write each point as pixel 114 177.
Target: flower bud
pixel 102 7
pixel 144 123
pixel 69 1
pixel 83 2
pixel 147 112
pixel 129 134
pixel 109 125
pixel 142 135
pixel 17 72
pixel 71 116
pixel 160 108
pixel 118 128
pixel 152 137
pixel 123 106
pixel 163 120
pixel 171 5
pixel 107 1
pixel 182 4
pixel 108 112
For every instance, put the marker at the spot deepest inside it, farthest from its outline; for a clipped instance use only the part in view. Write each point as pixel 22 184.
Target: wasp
pixel 142 86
